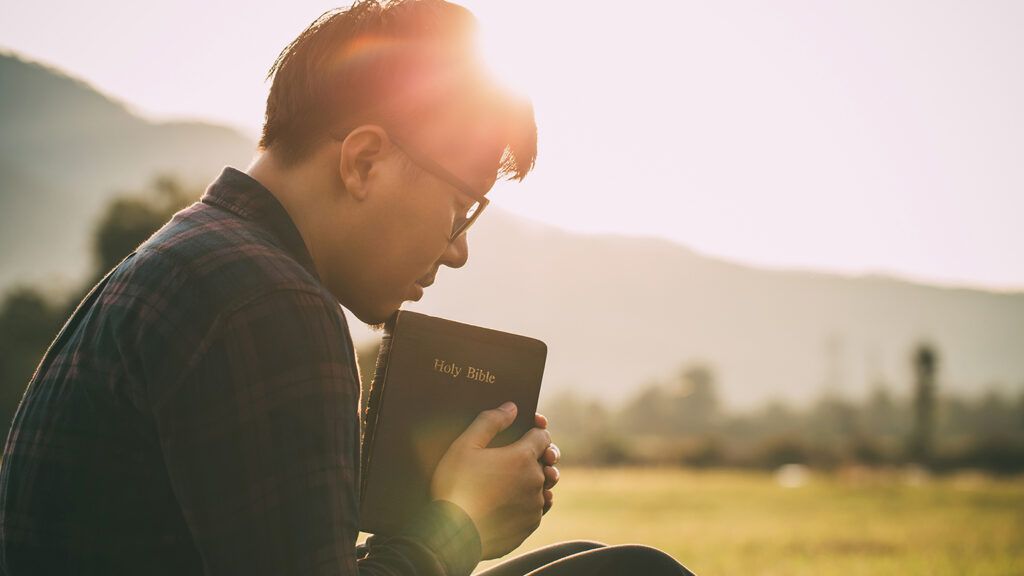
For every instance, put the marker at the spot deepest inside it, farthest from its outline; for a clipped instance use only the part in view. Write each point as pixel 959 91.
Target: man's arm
pixel 261 444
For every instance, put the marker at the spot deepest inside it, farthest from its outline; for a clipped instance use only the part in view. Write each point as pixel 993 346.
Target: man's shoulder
pixel 172 296
pixel 224 259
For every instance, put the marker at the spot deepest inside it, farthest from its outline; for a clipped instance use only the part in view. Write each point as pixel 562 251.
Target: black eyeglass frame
pixel 431 166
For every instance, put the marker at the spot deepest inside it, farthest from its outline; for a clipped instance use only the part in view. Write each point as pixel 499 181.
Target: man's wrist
pixel 448 531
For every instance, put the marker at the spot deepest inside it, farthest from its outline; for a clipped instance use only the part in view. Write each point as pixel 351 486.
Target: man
pixel 198 412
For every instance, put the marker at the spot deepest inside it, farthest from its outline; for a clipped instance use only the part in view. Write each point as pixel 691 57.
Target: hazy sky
pixel 857 136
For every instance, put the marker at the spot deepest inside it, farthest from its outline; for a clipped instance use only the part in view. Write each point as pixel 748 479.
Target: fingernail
pixel 509 407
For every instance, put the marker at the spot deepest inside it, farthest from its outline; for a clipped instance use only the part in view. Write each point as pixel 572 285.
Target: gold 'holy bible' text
pixel 454 370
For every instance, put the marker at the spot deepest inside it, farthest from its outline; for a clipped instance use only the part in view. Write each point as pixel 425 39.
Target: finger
pixel 540 421
pixel 551 476
pixel 549 501
pixel 535 441
pixel 552 455
pixel 488 424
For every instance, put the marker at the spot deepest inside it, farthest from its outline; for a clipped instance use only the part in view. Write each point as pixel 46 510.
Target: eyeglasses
pixel 467 218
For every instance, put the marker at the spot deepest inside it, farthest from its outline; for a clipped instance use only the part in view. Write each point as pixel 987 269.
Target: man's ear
pixel 360 150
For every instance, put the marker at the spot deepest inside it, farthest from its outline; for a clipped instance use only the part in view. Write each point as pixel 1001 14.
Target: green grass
pixel 732 523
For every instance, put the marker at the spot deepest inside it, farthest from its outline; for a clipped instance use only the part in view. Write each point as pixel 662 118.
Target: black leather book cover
pixel 433 377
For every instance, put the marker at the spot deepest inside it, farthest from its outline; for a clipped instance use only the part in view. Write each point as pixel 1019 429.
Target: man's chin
pixel 375 319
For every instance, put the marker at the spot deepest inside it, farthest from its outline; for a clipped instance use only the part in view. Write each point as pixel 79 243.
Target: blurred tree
pixel 920 445
pixel 604 450
pixel 648 411
pixel 28 321
pixel 707 452
pixel 775 418
pixel 569 413
pixel 958 418
pixel 584 430
pixel 687 406
pixel 995 414
pixel 833 419
pixel 132 218
pixel 882 415
pixel 1019 426
pixel 694 406
pixel 566 412
pixel 778 451
pixel 866 449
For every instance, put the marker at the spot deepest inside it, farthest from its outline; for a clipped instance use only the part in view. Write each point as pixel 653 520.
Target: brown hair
pixel 407 64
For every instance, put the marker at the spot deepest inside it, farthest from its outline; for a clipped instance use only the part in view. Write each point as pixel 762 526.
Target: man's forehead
pixel 473 156
pixel 464 121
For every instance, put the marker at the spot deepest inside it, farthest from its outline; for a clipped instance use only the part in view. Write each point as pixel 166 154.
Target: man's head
pixel 382 124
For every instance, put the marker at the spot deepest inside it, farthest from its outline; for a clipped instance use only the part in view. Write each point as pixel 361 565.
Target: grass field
pixel 854 524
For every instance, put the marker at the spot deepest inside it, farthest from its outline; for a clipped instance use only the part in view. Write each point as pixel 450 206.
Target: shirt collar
pixel 241 194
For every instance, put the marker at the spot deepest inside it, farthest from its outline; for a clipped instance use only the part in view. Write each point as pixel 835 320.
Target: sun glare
pixel 501 49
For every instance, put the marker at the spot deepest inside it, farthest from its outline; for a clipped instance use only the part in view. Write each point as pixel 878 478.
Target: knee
pixel 649 560
pixel 583 545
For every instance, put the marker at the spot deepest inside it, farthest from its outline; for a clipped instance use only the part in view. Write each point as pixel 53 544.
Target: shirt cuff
pixel 450 533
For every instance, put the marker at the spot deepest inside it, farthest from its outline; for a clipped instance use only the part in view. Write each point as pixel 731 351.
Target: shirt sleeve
pixel 261 443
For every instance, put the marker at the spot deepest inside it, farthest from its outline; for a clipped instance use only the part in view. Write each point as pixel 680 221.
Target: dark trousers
pixel 584 558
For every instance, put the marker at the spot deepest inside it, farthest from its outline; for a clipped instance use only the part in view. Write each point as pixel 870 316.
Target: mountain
pixel 616 312
pixel 65 149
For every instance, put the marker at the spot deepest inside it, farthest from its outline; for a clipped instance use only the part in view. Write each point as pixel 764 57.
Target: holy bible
pixel 433 377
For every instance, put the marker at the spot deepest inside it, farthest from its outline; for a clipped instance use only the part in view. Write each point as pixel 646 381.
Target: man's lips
pixel 420 285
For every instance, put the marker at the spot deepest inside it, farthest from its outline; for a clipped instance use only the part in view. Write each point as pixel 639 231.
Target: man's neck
pixel 269 172
pixel 298 193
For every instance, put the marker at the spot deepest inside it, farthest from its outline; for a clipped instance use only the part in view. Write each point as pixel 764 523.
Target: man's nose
pixel 457 252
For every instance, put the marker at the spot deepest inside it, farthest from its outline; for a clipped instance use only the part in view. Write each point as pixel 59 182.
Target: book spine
pixel 372 412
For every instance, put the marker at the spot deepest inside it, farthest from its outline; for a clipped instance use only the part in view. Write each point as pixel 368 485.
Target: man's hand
pixel 501 489
pixel 551 457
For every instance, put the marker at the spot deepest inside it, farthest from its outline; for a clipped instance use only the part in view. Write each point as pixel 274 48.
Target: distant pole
pixel 922 434
pixel 833 366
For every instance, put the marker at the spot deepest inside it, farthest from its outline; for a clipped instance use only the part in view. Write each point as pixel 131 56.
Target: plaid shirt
pixel 198 414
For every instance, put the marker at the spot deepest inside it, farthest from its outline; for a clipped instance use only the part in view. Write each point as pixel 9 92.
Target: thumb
pixel 488 424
